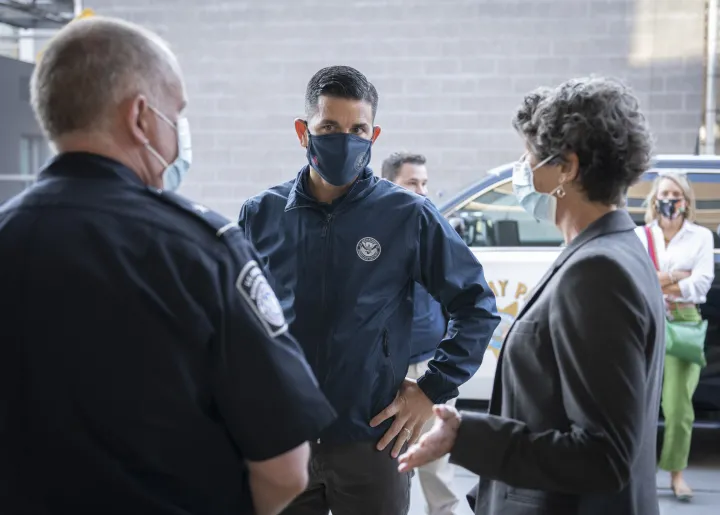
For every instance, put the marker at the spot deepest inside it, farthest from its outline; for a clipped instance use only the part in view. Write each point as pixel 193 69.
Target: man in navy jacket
pixel 345 249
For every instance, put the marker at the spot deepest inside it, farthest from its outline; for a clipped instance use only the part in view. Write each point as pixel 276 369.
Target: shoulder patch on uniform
pixel 200 208
pixel 254 287
pixel 216 221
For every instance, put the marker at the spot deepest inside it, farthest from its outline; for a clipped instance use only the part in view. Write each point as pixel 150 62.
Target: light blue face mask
pixel 174 172
pixel 543 206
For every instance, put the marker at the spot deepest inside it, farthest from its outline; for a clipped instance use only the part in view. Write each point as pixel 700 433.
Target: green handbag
pixel 686 340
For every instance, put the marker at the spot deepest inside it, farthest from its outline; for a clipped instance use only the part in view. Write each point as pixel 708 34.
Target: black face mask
pixel 667 208
pixel 338 158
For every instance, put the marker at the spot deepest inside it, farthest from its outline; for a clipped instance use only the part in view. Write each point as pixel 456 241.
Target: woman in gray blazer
pixel 572 424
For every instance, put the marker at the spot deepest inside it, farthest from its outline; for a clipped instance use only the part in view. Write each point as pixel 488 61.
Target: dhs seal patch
pixel 368 249
pixel 253 286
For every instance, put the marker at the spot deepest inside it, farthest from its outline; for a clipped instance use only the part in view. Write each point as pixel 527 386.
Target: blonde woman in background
pixel 684 253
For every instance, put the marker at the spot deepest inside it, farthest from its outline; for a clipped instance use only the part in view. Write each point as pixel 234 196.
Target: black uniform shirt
pixel 143 356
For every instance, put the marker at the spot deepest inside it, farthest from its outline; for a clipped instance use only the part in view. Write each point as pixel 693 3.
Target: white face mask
pixel 174 172
pixel 543 206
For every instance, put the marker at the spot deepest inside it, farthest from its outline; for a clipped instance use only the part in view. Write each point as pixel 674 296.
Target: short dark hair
pixel 339 82
pixel 391 166
pixel 598 119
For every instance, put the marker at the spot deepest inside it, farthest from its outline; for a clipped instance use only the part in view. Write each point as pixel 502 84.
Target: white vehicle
pixel 515 250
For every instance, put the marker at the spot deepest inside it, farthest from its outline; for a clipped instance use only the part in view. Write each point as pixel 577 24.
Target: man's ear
pixel 301 129
pixel 136 118
pixel 376 132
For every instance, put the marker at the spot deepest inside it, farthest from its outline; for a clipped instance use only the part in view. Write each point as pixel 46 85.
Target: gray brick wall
pixel 449 73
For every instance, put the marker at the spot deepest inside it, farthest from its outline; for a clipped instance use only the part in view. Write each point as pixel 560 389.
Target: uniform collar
pixel 84 165
pixel 300 194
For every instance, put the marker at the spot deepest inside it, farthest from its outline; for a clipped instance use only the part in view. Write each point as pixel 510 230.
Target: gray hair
pixel 599 120
pixel 392 164
pixel 94 64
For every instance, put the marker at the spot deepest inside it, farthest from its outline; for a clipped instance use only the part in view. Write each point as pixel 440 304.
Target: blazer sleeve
pixel 600 324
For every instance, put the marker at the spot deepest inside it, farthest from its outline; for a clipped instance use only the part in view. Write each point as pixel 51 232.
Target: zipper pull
pixel 386 349
pixel 328 217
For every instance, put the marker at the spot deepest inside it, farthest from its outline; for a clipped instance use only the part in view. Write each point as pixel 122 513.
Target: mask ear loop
pixel 149 147
pixel 157 155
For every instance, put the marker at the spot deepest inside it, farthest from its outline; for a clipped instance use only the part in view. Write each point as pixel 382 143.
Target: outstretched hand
pixel 435 444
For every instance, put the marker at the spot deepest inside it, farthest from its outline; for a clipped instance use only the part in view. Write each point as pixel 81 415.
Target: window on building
pixel 32 153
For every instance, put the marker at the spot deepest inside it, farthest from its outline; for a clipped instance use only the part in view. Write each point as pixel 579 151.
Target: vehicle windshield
pixel 492 217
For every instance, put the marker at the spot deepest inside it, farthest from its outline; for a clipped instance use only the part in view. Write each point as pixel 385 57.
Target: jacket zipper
pixel 324 233
pixel 323 281
pixel 328 217
pixel 323 284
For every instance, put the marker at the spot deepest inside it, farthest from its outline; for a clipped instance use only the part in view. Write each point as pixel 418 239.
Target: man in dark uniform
pixel 145 364
pixel 346 249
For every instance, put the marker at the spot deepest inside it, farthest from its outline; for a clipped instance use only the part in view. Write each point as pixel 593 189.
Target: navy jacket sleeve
pixel 265 391
pixel 454 277
pixel 245 219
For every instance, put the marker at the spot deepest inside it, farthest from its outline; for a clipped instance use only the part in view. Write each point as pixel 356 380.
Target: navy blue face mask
pixel 338 158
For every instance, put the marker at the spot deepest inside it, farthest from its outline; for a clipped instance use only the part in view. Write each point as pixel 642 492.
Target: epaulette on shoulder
pixel 216 222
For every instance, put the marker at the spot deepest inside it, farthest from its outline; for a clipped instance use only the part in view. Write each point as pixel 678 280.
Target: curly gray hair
pixel 599 120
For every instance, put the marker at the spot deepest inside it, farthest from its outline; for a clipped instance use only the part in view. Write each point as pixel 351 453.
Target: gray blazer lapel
pixel 496 397
pixel 540 286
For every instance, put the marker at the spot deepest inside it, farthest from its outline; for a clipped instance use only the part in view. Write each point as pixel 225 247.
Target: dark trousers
pixel 353 479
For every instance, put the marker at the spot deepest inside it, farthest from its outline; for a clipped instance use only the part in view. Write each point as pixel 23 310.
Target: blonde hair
pixel 683 182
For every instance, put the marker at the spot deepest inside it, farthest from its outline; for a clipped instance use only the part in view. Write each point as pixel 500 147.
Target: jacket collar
pixel 84 165
pixel 300 193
